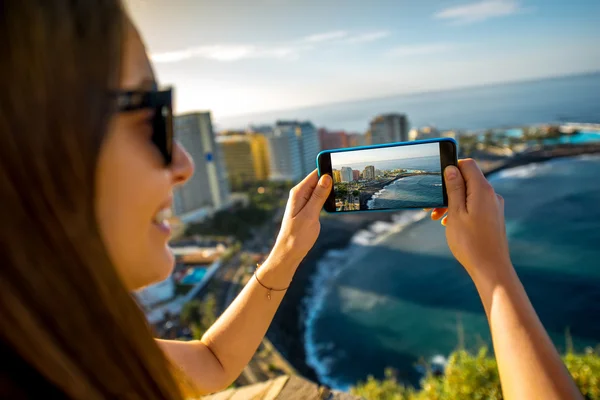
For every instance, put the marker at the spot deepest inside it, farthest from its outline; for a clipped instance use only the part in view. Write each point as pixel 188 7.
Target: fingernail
pixel 325 181
pixel 450 172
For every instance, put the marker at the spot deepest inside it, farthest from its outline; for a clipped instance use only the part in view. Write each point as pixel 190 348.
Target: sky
pixel 237 57
pixel 346 158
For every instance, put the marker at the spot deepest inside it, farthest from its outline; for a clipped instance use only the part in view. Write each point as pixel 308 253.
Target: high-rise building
pixel 245 156
pixel 378 173
pixel 332 140
pixel 337 176
pixel 347 175
pixel 355 175
pixel 389 128
pixel 208 188
pixel 307 142
pixel 357 139
pixel 369 172
pixel 285 161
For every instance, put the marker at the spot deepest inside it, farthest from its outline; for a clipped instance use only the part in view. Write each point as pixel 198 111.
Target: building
pixel 285 161
pixel 355 175
pixel 389 128
pixel 307 142
pixel 378 173
pixel 293 148
pixel 357 140
pixel 369 172
pixel 347 175
pixel 245 156
pixel 332 140
pixel 156 293
pixel 207 190
pixel 425 133
pixel 337 176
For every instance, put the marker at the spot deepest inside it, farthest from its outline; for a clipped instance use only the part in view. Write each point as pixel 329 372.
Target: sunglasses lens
pixel 162 123
pixel 162 135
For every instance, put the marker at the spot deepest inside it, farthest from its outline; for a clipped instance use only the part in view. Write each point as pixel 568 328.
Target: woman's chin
pixel 156 269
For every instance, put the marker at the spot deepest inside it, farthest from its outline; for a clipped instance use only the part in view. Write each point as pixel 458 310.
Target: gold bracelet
pixel 269 290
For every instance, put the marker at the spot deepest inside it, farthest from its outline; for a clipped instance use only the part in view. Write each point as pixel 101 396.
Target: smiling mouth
pixel 161 219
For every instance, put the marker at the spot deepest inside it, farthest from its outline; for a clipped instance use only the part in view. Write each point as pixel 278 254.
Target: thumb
pixel 456 189
pixel 319 195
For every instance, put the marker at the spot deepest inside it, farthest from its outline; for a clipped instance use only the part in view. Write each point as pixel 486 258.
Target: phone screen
pixel 387 178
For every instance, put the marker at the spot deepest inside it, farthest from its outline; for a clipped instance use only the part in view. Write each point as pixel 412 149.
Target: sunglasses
pixel 162 121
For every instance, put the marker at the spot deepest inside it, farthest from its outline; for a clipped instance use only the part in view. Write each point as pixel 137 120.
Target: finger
pixel 319 196
pixel 445 221
pixel 474 178
pixel 300 194
pixel 456 189
pixel 438 213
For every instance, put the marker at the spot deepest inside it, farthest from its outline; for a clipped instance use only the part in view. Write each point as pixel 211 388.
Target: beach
pixel 370 189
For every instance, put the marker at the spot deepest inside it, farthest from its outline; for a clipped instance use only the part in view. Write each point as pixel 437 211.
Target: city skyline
pixel 237 58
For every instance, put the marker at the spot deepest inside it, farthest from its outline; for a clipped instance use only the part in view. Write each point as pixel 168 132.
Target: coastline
pixel 288 328
pixel 367 194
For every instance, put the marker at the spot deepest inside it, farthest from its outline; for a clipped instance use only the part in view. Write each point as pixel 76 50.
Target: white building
pixel 369 172
pixel 285 162
pixel 293 148
pixel 347 175
pixel 389 128
pixel 208 189
pixel 157 293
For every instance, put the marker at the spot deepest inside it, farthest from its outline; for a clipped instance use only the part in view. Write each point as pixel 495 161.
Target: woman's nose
pixel 182 166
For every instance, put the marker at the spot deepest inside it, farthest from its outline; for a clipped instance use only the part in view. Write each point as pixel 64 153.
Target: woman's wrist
pixel 279 269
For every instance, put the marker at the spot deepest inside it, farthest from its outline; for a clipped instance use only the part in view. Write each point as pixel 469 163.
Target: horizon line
pixel 416 93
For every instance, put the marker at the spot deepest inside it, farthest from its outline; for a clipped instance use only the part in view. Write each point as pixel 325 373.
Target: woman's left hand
pixel 300 226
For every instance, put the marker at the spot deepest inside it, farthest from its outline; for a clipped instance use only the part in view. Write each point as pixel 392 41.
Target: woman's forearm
pixel 236 335
pixel 528 363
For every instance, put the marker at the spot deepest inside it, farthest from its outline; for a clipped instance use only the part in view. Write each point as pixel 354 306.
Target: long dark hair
pixel 68 326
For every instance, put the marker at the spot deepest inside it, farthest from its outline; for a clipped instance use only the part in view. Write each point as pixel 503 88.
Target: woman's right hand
pixel 475 226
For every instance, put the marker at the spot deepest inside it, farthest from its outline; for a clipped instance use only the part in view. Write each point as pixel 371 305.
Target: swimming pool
pixel 194 276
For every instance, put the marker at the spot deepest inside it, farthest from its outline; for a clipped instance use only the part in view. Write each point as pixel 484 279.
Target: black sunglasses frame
pixel 162 121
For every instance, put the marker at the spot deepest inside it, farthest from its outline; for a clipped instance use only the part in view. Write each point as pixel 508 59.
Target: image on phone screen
pixel 385 178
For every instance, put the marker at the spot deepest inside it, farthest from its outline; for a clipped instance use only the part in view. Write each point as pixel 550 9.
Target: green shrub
pixel 475 376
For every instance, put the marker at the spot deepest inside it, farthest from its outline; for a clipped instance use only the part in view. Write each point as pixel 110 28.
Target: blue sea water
pixel 393 302
pixel 572 98
pixel 411 192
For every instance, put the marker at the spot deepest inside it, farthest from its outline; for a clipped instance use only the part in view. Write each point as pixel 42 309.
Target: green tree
pixel 488 138
pixel 475 376
pixel 387 389
pixel 200 315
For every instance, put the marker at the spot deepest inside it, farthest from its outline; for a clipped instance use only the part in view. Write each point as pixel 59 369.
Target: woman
pixel 87 170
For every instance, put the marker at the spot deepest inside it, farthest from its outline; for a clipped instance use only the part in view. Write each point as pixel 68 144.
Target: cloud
pixel 367 37
pixel 290 50
pixel 325 37
pixel 420 50
pixel 479 11
pixel 225 53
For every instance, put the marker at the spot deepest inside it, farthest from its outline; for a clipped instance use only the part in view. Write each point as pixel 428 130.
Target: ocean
pixel 570 98
pixel 411 192
pixel 397 296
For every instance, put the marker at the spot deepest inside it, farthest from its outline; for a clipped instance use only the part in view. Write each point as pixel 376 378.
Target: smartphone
pixel 393 176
